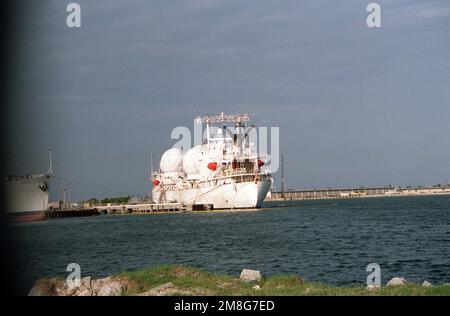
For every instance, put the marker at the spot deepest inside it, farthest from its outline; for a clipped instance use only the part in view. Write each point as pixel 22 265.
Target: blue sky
pixel 355 106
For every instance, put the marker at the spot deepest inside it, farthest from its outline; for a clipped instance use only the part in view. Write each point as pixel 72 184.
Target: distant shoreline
pixel 355 197
pixel 356 193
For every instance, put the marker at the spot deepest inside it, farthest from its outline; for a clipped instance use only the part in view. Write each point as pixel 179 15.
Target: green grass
pixel 193 281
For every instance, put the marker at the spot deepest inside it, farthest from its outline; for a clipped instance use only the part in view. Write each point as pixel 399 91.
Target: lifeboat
pixel 212 166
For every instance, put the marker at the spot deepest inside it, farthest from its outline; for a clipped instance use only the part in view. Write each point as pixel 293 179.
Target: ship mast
pixel 50 171
pixel 238 119
pixel 282 175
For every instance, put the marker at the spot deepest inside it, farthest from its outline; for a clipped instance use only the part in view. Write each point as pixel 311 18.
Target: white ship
pixel 225 172
pixel 27 196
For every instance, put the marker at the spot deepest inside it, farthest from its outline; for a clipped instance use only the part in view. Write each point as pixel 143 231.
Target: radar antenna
pixel 223 118
pixel 238 119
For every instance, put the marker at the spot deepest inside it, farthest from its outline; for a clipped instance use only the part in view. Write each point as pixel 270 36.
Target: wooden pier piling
pixel 72 213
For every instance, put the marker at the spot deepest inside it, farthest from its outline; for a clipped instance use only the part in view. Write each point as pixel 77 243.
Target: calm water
pixel 330 241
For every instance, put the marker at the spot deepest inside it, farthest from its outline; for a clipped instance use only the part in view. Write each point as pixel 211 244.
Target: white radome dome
pixel 201 164
pixel 171 160
pixel 190 160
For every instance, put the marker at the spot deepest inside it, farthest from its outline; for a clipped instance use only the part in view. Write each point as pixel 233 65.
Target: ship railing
pixel 237 178
pixel 245 177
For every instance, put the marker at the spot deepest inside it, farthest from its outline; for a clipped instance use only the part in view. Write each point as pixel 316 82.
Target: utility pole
pixel 282 175
pixel 59 199
pixel 68 195
pixel 63 189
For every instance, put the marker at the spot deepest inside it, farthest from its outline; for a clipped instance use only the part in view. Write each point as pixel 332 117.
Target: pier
pixel 152 208
pixel 71 213
pixel 122 209
pixel 342 193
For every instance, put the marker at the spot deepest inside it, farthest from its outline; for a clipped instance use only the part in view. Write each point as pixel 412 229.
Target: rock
pixel 168 289
pixel 85 288
pixel 250 275
pixel 161 290
pixel 426 284
pixel 396 282
pixel 71 292
pixel 371 287
pixel 86 282
pixel 88 287
pixel 61 289
pixel 43 287
pixel 108 287
pixel 256 287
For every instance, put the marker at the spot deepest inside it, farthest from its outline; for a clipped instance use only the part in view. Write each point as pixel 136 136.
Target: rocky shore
pixel 110 286
pixel 181 280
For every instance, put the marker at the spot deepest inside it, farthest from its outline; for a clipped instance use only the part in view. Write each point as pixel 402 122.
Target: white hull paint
pixel 222 196
pixel 27 194
pixel 225 171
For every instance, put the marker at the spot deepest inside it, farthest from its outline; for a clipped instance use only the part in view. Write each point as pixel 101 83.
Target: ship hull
pixel 222 196
pixel 27 198
pixel 33 216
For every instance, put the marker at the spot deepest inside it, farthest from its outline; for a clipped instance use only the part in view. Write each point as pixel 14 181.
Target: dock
pixel 361 192
pixel 71 213
pixel 123 209
pixel 152 208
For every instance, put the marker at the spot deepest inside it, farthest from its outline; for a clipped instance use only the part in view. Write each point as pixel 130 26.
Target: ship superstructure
pixel 225 171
